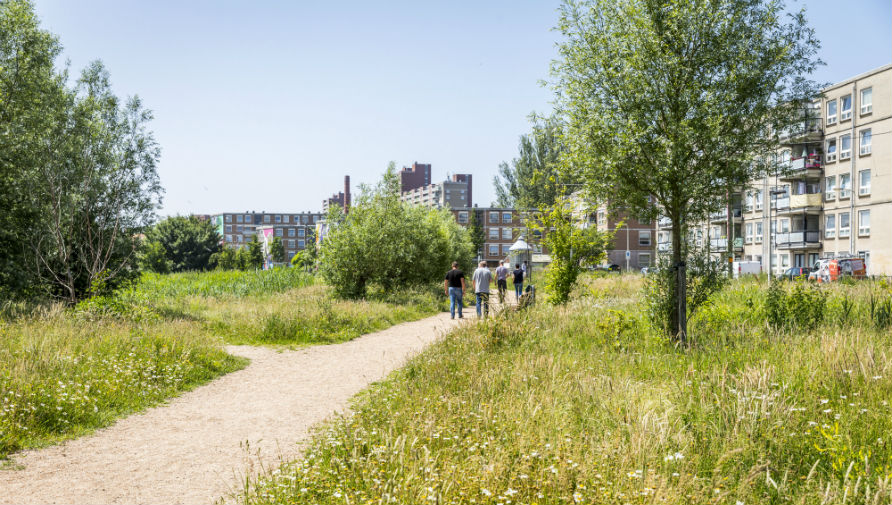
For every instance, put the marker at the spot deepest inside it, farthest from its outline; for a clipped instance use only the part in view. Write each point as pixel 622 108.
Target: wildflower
pixel 823 401
pixel 486 492
pixel 674 457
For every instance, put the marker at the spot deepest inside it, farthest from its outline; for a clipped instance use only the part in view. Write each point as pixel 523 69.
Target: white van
pixel 746 268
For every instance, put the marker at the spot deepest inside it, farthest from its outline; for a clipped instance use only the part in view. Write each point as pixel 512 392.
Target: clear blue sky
pixel 266 105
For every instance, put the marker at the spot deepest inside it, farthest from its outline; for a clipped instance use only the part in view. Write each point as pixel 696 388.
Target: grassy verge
pixel 65 372
pixel 586 404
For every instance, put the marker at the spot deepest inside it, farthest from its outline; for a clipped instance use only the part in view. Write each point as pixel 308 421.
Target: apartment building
pixel 455 192
pixel 634 241
pixel 831 195
pixel 501 228
pixel 295 229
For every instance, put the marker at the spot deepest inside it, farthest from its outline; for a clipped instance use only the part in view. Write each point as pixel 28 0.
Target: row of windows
pixel 290 244
pixel 845 224
pixel 845 185
pixel 506 217
pixel 844 106
pixel 493 249
pixel 845 146
pixel 277 218
pixel 292 232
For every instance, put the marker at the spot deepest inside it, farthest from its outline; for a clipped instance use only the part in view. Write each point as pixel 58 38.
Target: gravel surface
pixel 199 446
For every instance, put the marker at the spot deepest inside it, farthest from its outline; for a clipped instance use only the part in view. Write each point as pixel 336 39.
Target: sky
pixel 266 105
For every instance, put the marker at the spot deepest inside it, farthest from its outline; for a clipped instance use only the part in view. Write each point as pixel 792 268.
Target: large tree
pixel 186 242
pixel 668 103
pixel 531 180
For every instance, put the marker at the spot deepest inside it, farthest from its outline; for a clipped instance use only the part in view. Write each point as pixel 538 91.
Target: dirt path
pixel 192 450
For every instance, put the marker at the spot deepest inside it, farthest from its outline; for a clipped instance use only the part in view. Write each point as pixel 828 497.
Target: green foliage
pixel 667 104
pixel 531 180
pixel 253 258
pixel 705 276
pixel 476 231
pixel 385 242
pixel 184 244
pixel 277 251
pixel 881 311
pixel 226 259
pixel 571 247
pixel 801 307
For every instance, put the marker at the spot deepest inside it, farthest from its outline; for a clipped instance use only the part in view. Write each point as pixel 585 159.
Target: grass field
pixel 587 404
pixel 67 371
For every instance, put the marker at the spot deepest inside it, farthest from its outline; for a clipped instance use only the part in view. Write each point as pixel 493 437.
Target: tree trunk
pixel 678 318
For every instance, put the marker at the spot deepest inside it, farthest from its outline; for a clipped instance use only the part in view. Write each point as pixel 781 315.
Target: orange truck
pixel 835 269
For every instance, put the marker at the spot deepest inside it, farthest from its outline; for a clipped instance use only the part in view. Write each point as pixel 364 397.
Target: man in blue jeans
pixel 518 281
pixel 482 278
pixel 455 288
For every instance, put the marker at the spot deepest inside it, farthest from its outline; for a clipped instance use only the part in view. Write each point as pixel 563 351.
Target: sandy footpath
pixel 192 450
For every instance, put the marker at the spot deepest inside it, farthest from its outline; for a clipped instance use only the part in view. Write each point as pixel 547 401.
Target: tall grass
pixel 588 404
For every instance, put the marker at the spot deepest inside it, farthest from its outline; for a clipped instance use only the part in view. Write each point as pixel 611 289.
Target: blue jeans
pixel 483 304
pixel 518 289
pixel 455 298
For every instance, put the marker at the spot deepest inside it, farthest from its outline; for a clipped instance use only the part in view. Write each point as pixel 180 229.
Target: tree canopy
pixel 184 243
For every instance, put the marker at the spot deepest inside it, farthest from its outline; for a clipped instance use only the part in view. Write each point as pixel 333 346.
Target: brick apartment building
pixel 634 241
pixel 295 229
pixel 416 188
pixel 501 228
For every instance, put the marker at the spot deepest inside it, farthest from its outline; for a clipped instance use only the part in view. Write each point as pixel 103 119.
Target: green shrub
pixel 800 308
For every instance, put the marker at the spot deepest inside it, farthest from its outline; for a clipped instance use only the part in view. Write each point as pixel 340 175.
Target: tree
pixel 669 103
pixel 277 250
pixel 532 179
pixel 153 257
pixel 254 258
pixel 476 231
pixel 188 243
pixel 571 246
pixel 226 259
pixel 386 242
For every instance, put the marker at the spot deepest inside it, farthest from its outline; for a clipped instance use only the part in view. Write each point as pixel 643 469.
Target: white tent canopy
pixel 520 246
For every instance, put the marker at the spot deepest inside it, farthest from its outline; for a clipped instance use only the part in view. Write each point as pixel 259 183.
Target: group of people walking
pixel 482 278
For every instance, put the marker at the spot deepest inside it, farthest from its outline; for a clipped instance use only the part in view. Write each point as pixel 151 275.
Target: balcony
pixel 722 215
pixel 664 247
pixel 664 222
pixel 721 244
pixel 809 130
pixel 803 239
pixel 810 167
pixel 811 202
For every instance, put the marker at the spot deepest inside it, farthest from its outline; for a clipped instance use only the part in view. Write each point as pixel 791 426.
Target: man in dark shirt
pixel 454 286
pixel 518 281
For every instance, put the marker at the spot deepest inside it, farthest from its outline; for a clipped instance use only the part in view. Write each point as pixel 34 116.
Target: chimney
pixel 346 194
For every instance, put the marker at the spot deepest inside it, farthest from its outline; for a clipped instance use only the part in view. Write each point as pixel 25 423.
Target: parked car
pixel 796 273
pixel 740 268
pixel 613 267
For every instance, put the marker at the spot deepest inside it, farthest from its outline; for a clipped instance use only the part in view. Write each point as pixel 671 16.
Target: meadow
pixel 774 402
pixel 65 371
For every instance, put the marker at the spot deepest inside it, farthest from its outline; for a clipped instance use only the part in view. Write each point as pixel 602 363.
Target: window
pixel 865 141
pixel 845 185
pixel 602 217
pixel 785 261
pixel 506 217
pixel 643 259
pixel 506 248
pixel 831 150
pixel 291 244
pixel 748 236
pixel 494 233
pixel 278 218
pixel 315 218
pixel 301 244
pixel 239 219
pixel 493 217
pixel 830 226
pixel 863 222
pixel 286 218
pixel 866 101
pixel 830 188
pixel 248 219
pixel 301 232
pixel 644 237
pixel 506 233
pixel 305 219
pixel 239 228
pixel 749 201
pixel 845 147
pixel 228 218
pixel 279 232
pixel 238 238
pixel 784 226
pixel 228 228
pixel 291 232
pixel 758 237
pixel 266 218
pixel 831 112
pixel 864 182
pixel 758 200
pixel 463 217
pixel 845 105
pixel 229 238
pixel 493 249
pixel 843 224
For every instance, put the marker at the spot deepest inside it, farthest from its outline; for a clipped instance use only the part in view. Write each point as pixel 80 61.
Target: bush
pixel 385 242
pixel 800 308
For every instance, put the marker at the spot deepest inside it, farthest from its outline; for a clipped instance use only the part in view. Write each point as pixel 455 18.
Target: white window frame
pixel 301 244
pixel 759 203
pixel 845 231
pixel 228 228
pixel 843 153
pixel 493 218
pixel 649 238
pixel 748 236
pixel 301 232
pixel 641 259
pixel 864 190
pixel 229 238
pixel 866 108
pixel 831 118
pixel 757 238
pixel 830 156
pixel 506 234
pixel 863 231
pixel 290 243
pixel 829 231
pixel 228 218
pixel 279 232
pixel 865 148
pixel 506 248
pixel 493 249
pixel 845 114
pixel 463 217
pixel 239 218
pixel 845 191
pixel 508 216
pixel 266 218
pixel 291 232
pixel 494 236
pixel 830 188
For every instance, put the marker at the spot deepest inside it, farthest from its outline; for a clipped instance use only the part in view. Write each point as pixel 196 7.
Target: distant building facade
pixel 501 226
pixel 416 188
pixel 634 241
pixel 295 229
pixel 340 199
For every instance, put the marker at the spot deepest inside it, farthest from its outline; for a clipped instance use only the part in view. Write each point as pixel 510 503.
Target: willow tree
pixel 667 103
